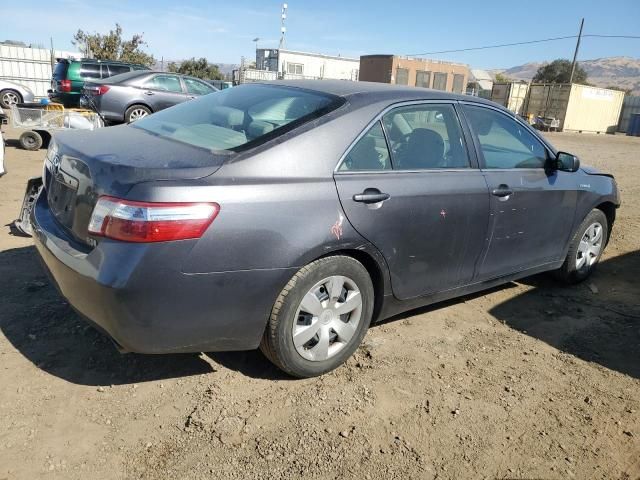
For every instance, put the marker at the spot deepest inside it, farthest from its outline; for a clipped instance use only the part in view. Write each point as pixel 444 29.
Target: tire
pixel 31 140
pixel 572 271
pixel 288 316
pixel 136 112
pixel 9 97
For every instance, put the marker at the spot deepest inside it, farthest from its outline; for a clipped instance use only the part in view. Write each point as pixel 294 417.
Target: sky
pixel 224 31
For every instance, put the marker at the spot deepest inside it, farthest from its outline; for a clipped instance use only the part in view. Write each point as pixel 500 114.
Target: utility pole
pixel 283 29
pixel 575 54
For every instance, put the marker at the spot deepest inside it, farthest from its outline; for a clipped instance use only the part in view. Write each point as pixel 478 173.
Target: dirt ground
pixel 530 380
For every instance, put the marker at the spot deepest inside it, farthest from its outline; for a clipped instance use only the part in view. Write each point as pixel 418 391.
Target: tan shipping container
pixel 511 95
pixel 580 108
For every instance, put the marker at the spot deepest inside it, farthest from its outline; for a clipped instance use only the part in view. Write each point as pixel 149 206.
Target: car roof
pixel 347 88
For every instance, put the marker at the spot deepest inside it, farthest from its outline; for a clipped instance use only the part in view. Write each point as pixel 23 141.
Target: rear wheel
pixel 320 317
pixel 586 248
pixel 31 140
pixel 136 112
pixel 9 97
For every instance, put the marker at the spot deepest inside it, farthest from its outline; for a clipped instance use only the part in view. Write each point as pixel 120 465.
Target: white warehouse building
pixel 293 64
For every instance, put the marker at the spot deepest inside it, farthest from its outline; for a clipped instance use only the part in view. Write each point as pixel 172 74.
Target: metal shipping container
pixel 511 95
pixel 580 108
pixel 630 106
pixel 30 67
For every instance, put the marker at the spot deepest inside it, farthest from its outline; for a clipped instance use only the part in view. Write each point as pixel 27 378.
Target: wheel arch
pixel 377 272
pixel 138 103
pixel 609 210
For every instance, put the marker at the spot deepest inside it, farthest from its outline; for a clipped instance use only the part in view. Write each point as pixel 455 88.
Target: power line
pixel 552 39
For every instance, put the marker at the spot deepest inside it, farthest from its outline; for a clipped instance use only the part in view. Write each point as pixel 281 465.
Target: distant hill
pixel 622 72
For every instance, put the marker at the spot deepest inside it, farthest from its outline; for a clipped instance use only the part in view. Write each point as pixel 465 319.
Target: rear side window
pixel 503 141
pixel 118 69
pixel 426 136
pixel 239 117
pixel 168 83
pixel 369 153
pixel 90 70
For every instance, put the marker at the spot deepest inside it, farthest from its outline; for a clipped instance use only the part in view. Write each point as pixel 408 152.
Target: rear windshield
pixel 240 117
pixel 60 70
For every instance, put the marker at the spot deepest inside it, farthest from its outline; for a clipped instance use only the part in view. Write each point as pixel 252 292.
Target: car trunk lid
pixel 82 170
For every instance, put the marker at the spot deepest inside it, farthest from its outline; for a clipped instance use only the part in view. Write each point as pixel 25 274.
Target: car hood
pixel 589 170
pixel 119 157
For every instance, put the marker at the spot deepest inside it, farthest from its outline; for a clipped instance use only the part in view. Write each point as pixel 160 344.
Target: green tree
pixel 112 46
pixel 559 71
pixel 502 78
pixel 199 68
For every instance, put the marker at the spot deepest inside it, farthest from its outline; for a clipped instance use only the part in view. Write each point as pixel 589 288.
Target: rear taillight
pixel 100 90
pixel 131 221
pixel 65 85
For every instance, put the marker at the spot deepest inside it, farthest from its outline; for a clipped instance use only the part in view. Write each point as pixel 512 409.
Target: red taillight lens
pixel 132 221
pixel 101 90
pixel 65 85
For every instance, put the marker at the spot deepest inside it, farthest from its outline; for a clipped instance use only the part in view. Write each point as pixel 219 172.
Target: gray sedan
pixel 292 215
pixel 12 93
pixel 131 96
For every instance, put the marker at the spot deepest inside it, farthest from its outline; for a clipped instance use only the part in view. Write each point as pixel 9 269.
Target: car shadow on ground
pixel 600 327
pixel 43 327
pixel 597 320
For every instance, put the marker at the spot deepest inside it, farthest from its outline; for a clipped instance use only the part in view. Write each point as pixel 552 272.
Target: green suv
pixel 69 76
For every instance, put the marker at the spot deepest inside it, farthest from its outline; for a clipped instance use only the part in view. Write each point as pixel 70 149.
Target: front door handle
pixel 502 191
pixel 371 195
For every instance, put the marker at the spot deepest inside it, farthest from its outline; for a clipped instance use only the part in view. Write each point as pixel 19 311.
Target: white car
pixel 12 93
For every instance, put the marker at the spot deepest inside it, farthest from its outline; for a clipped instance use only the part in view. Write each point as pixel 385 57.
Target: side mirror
pixel 567 162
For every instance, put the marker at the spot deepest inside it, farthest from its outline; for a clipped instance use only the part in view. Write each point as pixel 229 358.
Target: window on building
pixel 423 79
pixel 295 68
pixel 458 83
pixel 440 81
pixel 402 76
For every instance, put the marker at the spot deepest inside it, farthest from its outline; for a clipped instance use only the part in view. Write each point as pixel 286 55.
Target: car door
pixel 409 187
pixel 163 90
pixel 532 206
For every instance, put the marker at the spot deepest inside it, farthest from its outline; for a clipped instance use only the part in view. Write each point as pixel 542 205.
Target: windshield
pixel 239 117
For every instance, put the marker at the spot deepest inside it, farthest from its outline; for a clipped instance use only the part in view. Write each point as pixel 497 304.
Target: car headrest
pixel 425 149
pixel 257 128
pixel 227 117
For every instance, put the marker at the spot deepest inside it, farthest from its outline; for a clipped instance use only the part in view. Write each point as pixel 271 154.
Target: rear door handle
pixel 502 191
pixel 149 92
pixel 371 195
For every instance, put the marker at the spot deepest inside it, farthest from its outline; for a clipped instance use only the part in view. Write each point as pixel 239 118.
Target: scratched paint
pixel 336 228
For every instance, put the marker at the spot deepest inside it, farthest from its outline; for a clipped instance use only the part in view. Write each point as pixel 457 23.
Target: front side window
pixel 196 87
pixel 369 153
pixel 238 117
pixel 425 136
pixel 504 142
pixel 402 76
pixel 168 83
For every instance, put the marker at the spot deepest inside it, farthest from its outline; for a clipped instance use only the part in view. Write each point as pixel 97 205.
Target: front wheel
pixel 9 97
pixel 320 317
pixel 586 248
